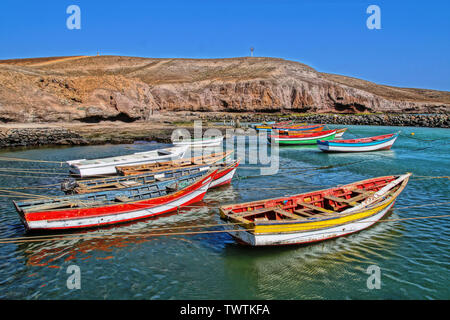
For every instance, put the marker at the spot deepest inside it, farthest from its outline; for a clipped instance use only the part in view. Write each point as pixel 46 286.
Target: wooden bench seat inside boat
pixel 309 214
pixel 60 205
pixel 342 200
pixel 270 210
pixel 313 207
pixel 354 201
pixel 122 199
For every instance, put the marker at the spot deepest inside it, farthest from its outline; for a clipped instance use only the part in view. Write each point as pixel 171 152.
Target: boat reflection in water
pixel 101 243
pixel 311 271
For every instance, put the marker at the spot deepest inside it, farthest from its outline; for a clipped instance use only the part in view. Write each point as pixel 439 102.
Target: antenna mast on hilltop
pixel 251 51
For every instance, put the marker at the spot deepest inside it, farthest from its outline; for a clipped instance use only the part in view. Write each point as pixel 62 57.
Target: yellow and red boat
pixel 313 216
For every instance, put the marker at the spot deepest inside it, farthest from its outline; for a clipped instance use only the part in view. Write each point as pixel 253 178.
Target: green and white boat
pixel 306 138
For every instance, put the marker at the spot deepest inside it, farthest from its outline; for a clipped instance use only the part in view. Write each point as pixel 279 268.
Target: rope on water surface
pixel 24 176
pixel 147 234
pixel 22 194
pixel 413 137
pixel 30 171
pixel 38 187
pixel 29 160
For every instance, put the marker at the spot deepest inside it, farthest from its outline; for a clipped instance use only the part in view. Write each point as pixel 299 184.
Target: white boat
pixel 105 166
pixel 202 142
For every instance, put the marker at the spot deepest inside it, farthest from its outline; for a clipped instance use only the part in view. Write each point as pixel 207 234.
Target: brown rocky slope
pixel 92 89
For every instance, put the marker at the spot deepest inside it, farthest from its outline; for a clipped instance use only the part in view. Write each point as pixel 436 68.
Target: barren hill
pixel 127 88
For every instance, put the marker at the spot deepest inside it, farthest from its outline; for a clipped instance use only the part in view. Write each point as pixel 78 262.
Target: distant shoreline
pixel 13 135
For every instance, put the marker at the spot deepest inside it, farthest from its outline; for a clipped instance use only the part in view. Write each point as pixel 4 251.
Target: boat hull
pixel 330 146
pixel 309 236
pixel 224 176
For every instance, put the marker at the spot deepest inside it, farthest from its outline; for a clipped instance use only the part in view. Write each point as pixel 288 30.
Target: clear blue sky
pixel 411 50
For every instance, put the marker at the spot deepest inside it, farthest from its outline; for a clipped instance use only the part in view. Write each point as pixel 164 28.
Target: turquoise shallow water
pixel 413 255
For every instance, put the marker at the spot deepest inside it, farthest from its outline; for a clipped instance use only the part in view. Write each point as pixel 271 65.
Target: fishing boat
pixel 308 138
pixel 110 207
pixel 224 175
pixel 213 158
pixel 293 127
pixel 339 132
pixel 106 166
pixel 263 128
pixel 383 142
pixel 299 129
pixel 202 142
pixel 313 216
pixel 268 123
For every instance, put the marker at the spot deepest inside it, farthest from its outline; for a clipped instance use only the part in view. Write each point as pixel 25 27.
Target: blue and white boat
pixel 383 142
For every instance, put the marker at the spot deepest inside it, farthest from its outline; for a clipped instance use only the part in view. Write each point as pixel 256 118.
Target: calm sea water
pixel 413 255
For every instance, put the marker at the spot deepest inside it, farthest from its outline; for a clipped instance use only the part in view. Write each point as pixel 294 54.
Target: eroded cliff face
pixel 126 88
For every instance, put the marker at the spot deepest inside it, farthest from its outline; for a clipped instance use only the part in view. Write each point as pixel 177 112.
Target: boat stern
pixel 21 214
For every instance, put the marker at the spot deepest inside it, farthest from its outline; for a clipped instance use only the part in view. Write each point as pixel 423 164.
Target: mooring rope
pixel 147 234
pixel 2 158
pixel 30 171
pixel 25 176
pixel 22 194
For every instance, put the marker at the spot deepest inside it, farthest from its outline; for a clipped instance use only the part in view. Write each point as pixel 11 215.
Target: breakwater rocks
pixel 97 135
pixel 402 120
pixel 21 137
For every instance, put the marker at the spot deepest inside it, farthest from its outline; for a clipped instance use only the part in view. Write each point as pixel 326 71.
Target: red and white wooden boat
pixel 111 207
pixel 224 174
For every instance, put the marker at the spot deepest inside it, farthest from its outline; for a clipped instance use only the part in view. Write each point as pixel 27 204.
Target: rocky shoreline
pixel 402 120
pixel 26 135
pixel 104 134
